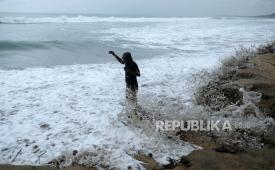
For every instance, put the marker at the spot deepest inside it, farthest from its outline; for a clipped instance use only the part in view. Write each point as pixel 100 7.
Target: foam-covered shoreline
pixel 256 66
pixel 252 70
pixel 65 108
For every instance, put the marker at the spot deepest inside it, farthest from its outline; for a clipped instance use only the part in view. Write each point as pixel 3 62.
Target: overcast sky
pixel 143 7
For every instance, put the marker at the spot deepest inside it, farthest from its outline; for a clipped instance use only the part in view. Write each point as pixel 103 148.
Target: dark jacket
pixel 131 73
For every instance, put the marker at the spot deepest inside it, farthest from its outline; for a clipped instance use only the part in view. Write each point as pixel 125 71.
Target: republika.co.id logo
pixel 199 125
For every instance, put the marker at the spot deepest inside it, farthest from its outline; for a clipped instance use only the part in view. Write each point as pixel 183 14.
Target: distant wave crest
pixel 18 45
pixel 83 19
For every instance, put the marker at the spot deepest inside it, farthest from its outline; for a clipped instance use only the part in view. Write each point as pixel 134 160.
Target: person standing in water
pixel 131 73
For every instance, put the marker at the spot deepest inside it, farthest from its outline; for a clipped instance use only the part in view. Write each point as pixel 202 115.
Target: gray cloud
pixel 143 7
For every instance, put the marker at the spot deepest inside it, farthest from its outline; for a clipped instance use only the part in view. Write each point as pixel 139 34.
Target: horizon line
pixel 131 15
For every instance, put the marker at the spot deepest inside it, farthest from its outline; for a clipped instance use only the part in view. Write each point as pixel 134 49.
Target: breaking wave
pixel 19 45
pixel 85 19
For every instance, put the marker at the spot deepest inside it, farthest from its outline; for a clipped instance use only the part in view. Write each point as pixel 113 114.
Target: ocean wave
pixel 85 19
pixel 19 45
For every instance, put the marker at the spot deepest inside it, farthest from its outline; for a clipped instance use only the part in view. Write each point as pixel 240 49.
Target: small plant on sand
pixel 241 56
pixel 268 48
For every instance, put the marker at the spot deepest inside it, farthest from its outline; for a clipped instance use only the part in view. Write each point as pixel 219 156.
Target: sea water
pixel 61 91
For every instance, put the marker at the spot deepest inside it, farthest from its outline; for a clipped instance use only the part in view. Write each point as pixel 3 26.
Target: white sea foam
pixel 80 104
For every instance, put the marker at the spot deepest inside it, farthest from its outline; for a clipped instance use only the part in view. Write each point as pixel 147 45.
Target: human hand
pixel 111 52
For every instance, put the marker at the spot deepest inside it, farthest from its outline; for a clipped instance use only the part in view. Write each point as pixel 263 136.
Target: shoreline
pixel 255 73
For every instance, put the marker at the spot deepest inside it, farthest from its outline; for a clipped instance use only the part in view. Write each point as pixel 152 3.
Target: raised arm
pixel 116 56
